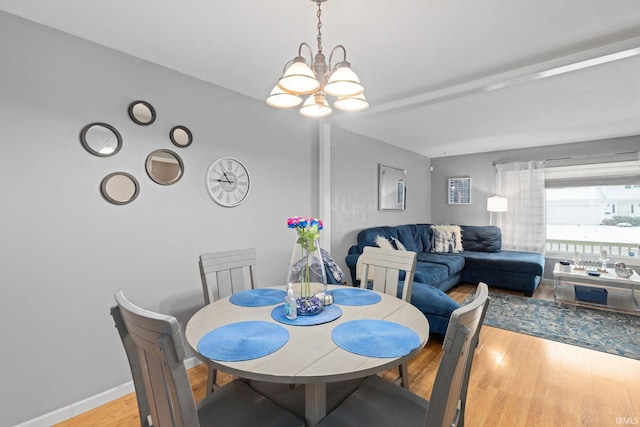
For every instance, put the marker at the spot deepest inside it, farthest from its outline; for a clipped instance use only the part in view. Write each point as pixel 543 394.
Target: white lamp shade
pixel 351 103
pixel 497 204
pixel 343 82
pixel 315 108
pixel 299 78
pixel 282 99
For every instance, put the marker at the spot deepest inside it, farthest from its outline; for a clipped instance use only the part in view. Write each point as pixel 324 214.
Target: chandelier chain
pixel 319 14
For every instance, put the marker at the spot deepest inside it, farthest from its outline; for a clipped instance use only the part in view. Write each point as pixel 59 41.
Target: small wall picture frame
pixel 459 190
pixel 391 188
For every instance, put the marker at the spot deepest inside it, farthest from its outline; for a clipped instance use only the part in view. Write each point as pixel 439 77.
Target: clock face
pixel 227 182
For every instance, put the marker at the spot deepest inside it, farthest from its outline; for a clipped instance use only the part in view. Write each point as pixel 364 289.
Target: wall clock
pixel 227 181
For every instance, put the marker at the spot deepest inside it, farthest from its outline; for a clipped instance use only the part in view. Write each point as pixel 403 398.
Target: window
pixel 592 207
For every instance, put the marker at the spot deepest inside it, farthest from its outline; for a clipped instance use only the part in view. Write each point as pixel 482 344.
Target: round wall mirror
pixel 119 188
pixel 101 139
pixel 142 113
pixel 181 136
pixel 164 167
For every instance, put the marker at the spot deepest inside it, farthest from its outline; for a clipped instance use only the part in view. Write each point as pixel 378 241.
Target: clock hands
pixel 227 180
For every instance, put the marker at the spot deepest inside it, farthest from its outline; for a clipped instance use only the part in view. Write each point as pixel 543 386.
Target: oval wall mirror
pixel 119 188
pixel 142 113
pixel 164 167
pixel 101 139
pixel 181 136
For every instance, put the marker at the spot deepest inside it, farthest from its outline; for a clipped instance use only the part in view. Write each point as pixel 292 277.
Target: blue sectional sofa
pixel 481 260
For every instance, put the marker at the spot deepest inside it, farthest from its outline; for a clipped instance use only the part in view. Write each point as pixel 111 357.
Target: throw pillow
pixel 397 244
pixel 383 243
pixel 446 238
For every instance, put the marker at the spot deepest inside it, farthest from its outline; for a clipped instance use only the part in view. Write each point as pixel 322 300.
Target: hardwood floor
pixel 516 380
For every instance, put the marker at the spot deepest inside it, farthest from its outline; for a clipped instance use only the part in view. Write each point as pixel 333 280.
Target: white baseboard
pixel 89 403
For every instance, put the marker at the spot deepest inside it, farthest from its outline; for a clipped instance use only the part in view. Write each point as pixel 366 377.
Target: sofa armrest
pixel 352 260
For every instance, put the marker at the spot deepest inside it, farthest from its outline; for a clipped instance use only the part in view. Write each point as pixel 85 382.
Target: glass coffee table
pixel 605 290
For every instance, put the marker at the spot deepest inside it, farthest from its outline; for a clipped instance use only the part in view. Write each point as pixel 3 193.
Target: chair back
pixel 226 273
pixel 452 378
pixel 134 363
pixel 382 267
pixel 156 340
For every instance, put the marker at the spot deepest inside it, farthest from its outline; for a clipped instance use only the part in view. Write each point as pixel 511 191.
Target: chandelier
pixel 317 79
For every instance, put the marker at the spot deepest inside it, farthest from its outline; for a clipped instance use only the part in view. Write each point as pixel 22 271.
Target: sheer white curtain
pixel 524 224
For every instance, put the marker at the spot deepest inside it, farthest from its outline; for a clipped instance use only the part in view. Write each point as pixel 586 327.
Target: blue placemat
pixel 243 341
pixel 328 314
pixel 375 338
pixel 355 296
pixel 258 297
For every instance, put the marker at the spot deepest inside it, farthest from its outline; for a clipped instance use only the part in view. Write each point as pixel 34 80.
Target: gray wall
pixel 354 188
pixel 65 251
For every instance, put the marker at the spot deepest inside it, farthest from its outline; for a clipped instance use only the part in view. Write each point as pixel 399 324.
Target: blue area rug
pixel 605 331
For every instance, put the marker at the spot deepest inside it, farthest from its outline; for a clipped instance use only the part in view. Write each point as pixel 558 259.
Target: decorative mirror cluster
pixel 164 167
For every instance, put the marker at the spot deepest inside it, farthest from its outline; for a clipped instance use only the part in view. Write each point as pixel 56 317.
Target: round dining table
pixel 310 355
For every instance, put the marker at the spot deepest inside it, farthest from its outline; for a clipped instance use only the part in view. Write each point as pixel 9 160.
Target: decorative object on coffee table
pixel 622 270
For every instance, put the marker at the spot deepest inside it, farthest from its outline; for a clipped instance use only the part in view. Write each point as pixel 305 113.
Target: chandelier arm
pixel 310 51
pixel 344 51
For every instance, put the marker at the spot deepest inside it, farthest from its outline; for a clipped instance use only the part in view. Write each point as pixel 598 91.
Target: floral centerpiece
pixel 306 269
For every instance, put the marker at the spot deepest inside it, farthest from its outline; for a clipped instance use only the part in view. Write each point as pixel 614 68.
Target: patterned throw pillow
pixel 446 238
pixel 397 244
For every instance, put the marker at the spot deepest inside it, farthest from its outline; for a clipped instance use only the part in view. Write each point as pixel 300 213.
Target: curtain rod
pixel 596 158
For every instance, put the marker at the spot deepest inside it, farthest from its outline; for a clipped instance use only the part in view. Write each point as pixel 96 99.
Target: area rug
pixel 605 331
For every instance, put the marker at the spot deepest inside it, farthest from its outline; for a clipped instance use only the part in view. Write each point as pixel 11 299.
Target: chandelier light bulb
pixel 343 81
pixel 351 103
pixel 299 78
pixel 316 106
pixel 282 99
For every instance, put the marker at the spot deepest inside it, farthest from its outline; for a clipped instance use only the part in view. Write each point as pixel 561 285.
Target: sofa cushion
pixel 436 305
pixel 481 238
pixel 505 261
pixel 411 237
pixel 454 262
pixel 430 273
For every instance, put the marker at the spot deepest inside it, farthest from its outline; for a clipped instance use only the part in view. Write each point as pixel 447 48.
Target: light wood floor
pixel 516 380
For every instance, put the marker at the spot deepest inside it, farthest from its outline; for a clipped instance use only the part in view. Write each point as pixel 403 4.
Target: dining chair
pixel 382 267
pixel 227 272
pixel 156 351
pixel 223 274
pixel 379 402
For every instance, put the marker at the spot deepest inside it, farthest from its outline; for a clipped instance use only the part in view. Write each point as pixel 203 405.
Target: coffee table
pixel 621 292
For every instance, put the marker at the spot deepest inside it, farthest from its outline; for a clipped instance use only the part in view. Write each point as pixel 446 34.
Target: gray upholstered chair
pixel 223 274
pixel 156 350
pixel 379 402
pixel 383 267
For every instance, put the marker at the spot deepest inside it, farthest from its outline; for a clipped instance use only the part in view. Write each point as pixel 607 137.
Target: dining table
pixel 361 333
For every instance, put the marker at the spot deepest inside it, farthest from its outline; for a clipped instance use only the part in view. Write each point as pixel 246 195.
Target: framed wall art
pixel 459 191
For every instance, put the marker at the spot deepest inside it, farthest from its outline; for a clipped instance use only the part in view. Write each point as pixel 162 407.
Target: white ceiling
pixel 425 64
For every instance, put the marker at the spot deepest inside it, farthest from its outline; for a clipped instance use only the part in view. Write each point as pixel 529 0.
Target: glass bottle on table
pixel 290 308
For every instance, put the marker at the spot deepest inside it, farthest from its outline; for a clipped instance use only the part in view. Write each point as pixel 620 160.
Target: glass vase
pixel 308 278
